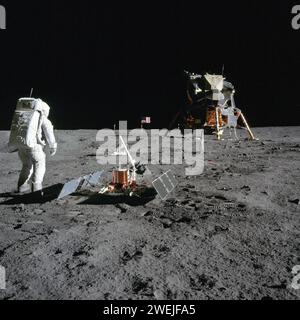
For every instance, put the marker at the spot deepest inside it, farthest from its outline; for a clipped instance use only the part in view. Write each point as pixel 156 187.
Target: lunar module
pixel 211 105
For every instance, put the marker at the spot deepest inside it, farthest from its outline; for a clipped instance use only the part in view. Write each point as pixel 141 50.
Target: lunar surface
pixel 231 233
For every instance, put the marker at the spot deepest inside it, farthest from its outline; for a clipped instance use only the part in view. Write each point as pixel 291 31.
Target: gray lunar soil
pixel 231 233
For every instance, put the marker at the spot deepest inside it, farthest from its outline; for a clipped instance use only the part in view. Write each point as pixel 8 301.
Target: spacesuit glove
pixel 53 151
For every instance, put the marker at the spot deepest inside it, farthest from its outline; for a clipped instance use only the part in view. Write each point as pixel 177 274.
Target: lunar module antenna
pixel 223 70
pixel 31 92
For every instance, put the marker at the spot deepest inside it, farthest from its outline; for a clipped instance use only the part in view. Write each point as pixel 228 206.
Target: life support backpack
pixel 26 124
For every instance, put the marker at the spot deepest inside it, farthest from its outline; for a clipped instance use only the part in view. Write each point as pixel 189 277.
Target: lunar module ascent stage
pixel 211 106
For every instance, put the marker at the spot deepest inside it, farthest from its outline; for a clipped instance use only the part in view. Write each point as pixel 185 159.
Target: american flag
pixel 146 120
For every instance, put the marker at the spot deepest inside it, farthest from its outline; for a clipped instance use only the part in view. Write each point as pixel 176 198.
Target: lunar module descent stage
pixel 211 106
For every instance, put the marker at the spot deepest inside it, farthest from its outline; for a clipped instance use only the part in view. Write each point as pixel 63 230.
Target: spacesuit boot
pixel 24 188
pixel 37 187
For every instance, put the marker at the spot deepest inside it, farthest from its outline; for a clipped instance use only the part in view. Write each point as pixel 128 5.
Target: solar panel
pixel 84 182
pixel 160 188
pixel 94 178
pixel 91 180
pixel 69 188
pixel 165 184
pixel 172 178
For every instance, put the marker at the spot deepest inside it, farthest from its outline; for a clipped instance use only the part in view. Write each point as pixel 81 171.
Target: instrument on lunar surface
pixel 124 182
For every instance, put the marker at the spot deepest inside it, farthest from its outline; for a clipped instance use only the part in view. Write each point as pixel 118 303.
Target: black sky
pixel 97 62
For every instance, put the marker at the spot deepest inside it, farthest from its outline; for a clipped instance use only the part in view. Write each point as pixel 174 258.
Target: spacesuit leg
pixel 230 133
pixel 24 183
pixel 39 167
pixel 235 133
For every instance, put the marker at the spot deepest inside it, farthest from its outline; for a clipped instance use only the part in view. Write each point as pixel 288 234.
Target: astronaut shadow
pixel 117 199
pixel 49 194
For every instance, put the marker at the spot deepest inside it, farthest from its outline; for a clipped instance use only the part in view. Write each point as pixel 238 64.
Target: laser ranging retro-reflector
pixel 165 184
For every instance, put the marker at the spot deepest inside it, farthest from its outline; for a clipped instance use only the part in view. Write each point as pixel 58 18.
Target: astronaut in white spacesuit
pixel 30 124
pixel 229 110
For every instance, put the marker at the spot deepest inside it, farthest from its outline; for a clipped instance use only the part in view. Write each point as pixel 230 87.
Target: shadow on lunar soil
pixel 52 193
pixel 49 194
pixel 98 199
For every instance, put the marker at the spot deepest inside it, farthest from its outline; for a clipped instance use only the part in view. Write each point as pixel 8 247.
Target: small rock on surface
pixel 295 201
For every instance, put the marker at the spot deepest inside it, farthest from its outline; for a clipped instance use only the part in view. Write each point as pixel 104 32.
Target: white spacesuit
pixel 232 114
pixel 30 124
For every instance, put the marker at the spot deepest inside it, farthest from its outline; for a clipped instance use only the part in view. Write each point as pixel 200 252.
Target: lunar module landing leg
pixel 218 130
pixel 252 137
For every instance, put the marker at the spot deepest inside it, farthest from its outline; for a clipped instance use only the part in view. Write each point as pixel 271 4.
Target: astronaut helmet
pixel 43 107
